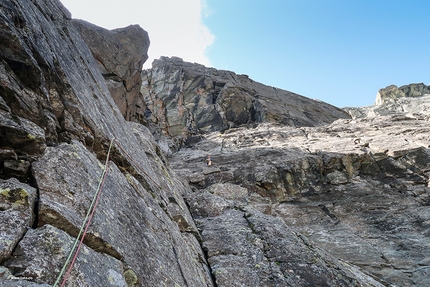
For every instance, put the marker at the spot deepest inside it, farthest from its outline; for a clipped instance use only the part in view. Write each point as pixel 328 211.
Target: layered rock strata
pixel 184 100
pixel 357 189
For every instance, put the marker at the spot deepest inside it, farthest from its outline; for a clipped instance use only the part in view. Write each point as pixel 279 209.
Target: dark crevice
pixel 55 219
pixel 329 214
pixel 126 165
pixel 33 183
pixel 251 225
pixel 199 237
pixel 206 255
pixel 14 248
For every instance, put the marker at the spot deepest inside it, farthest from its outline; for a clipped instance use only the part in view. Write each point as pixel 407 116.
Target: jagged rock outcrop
pixel 120 55
pixel 57 120
pixel 408 99
pixel 185 99
pixel 393 93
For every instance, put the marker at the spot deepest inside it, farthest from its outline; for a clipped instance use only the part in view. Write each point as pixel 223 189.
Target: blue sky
pixel 337 51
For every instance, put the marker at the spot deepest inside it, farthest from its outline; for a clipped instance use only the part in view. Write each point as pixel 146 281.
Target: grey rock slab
pixel 40 256
pixel 9 280
pixel 371 226
pixel 358 189
pixel 229 191
pixel 129 223
pixel 186 100
pixel 247 248
pixel 286 160
pixel 173 188
pixel 51 79
pixel 21 283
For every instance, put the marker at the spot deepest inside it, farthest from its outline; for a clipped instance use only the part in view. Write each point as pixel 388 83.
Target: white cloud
pixel 175 27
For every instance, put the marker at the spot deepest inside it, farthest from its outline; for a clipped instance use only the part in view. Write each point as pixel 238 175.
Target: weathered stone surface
pixel 357 189
pixel 299 194
pixel 229 191
pixel 20 135
pixel 372 226
pixel 50 78
pixel 185 99
pixel 120 54
pixel 21 283
pixel 42 252
pixel 52 89
pixel 247 248
pixel 9 280
pixel 17 203
pixel 173 188
pixel 129 224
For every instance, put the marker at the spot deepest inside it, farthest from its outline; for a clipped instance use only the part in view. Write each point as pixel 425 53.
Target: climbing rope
pixel 90 213
pixel 85 223
pixel 136 165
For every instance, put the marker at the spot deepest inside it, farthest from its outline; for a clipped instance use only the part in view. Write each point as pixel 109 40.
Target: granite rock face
pixel 17 204
pixel 185 99
pixel 248 248
pixel 29 260
pixel 120 55
pixel 393 93
pixel 357 189
pixel 57 120
pixel 299 193
pixel 130 224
